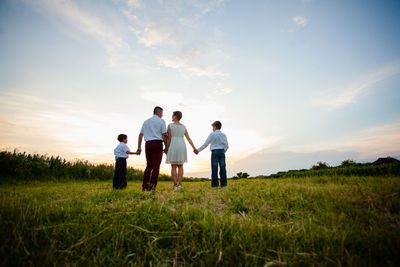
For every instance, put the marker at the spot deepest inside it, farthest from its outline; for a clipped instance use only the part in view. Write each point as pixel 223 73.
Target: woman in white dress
pixel 176 148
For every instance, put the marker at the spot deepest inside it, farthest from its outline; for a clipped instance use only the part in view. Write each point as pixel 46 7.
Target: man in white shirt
pixel 154 132
pixel 219 145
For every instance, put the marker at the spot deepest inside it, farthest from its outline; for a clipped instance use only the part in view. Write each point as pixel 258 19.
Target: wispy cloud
pixel 349 94
pixel 188 62
pixel 154 34
pixel 134 3
pixel 119 51
pixel 376 141
pixel 364 145
pixel 300 20
pixel 220 90
pixel 371 142
pixel 83 21
pixel 129 14
pixel 207 6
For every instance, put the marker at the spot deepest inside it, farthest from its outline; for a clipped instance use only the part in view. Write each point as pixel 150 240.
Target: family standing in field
pixel 155 133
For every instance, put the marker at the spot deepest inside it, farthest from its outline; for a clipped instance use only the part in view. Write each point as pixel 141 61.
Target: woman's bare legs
pixel 180 174
pixel 174 174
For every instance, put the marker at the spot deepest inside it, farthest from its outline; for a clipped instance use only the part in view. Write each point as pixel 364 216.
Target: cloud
pixel 69 128
pixel 134 4
pixel 130 8
pixel 376 141
pixel 371 142
pixel 83 21
pixel 363 146
pixel 188 62
pixel 153 34
pixel 207 6
pixel 300 20
pixel 118 50
pixel 350 93
pixel 129 14
pixel 221 89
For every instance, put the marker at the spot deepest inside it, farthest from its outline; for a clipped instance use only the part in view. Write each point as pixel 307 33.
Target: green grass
pixel 303 221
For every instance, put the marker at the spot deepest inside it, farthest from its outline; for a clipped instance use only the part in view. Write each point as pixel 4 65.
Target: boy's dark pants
pixel 218 158
pixel 154 153
pixel 119 181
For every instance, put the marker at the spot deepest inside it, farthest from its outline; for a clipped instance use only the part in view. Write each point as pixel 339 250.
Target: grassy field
pixel 304 221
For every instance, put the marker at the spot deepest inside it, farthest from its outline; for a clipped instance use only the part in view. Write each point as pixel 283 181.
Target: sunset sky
pixel 292 81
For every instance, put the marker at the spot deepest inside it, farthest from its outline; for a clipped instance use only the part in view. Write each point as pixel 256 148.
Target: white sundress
pixel 177 153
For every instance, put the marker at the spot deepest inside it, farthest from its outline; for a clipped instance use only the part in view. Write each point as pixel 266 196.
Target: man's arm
pixel 206 143
pixel 165 139
pixel 140 138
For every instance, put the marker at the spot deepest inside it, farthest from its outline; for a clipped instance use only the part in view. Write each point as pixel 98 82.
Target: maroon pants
pixel 154 153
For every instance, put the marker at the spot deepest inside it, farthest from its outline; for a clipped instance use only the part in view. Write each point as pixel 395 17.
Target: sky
pixel 293 82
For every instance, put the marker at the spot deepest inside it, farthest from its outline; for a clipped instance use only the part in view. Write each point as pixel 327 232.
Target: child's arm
pixel 206 143
pixel 133 153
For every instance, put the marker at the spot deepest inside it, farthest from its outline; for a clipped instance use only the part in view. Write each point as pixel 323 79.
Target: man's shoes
pixel 179 187
pixel 176 188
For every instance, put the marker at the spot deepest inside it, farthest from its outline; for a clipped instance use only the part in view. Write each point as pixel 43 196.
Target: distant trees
pixel 348 163
pixel 382 167
pixel 320 165
pixel 241 175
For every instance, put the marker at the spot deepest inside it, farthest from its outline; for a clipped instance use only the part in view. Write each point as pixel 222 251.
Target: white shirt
pixel 217 140
pixel 120 150
pixel 153 128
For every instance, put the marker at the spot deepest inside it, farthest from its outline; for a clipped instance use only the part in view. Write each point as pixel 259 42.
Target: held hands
pixel 138 151
pixel 196 151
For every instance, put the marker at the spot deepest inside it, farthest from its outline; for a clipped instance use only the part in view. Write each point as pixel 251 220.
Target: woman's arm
pixel 189 140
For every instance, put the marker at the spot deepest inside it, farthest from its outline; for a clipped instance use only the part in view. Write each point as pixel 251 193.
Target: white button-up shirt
pixel 120 150
pixel 217 140
pixel 153 129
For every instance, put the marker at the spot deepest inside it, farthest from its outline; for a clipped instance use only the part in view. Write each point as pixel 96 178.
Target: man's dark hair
pixel 178 115
pixel 157 109
pixel 217 125
pixel 122 137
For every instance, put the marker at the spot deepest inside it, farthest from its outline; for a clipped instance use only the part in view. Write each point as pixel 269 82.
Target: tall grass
pixel 22 166
pixel 332 221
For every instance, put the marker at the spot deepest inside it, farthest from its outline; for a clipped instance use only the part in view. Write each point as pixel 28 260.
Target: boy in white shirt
pixel 219 145
pixel 121 154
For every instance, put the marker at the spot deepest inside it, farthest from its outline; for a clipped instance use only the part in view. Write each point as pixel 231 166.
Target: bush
pixel 320 165
pixel 22 166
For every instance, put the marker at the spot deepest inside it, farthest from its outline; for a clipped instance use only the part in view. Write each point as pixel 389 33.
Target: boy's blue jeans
pixel 218 158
